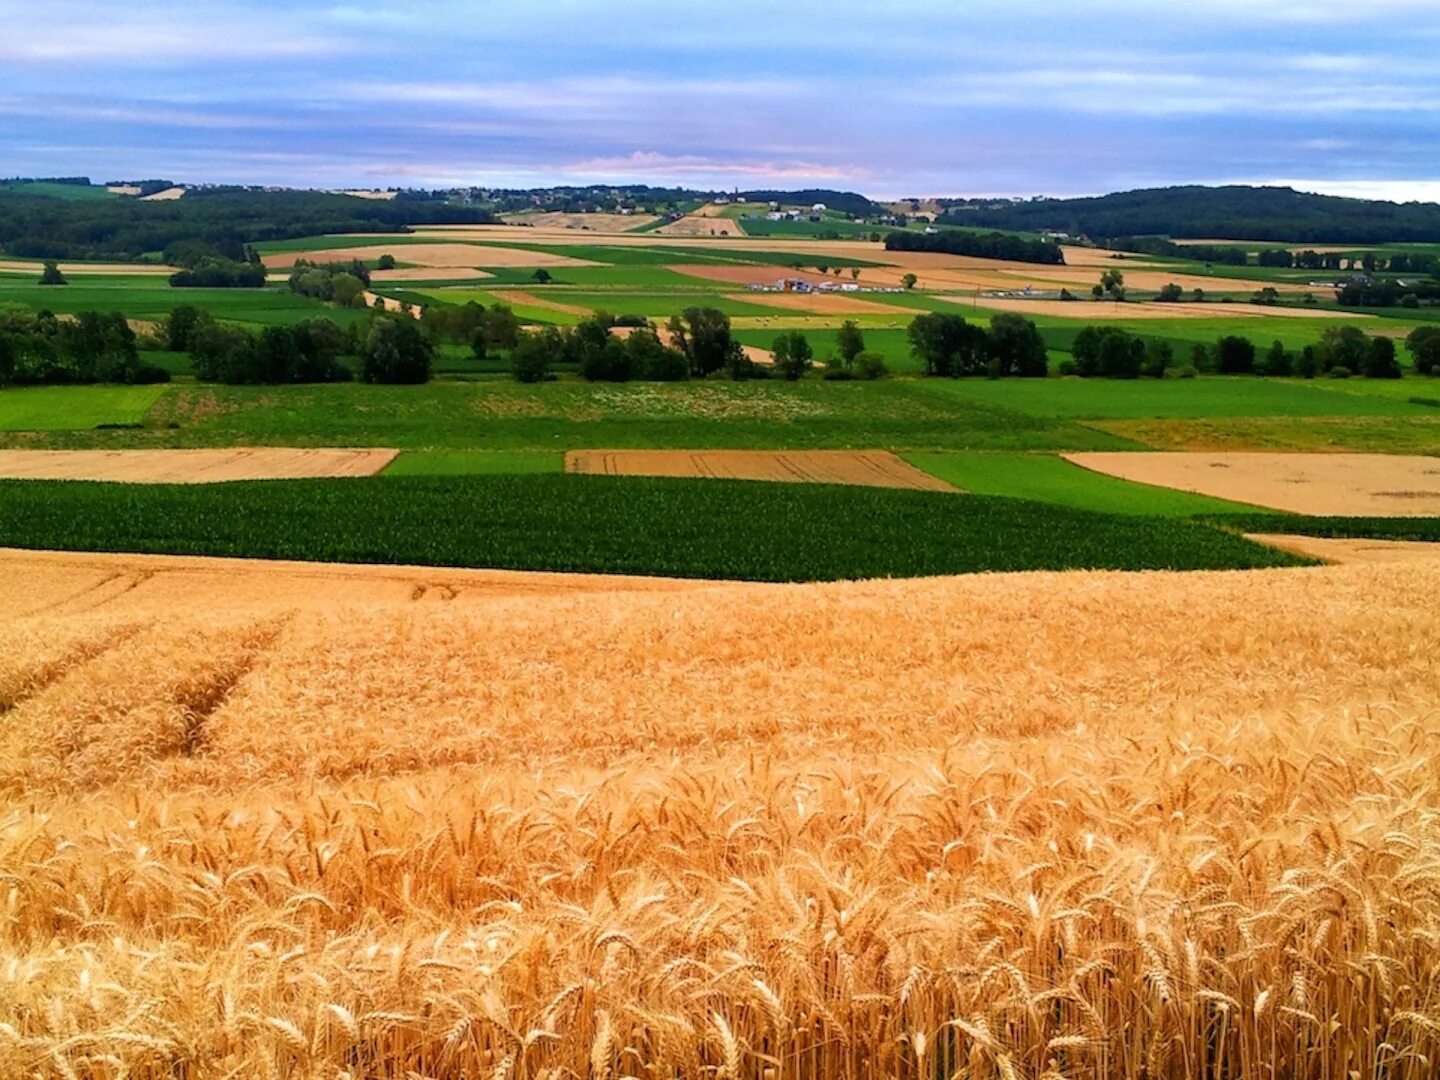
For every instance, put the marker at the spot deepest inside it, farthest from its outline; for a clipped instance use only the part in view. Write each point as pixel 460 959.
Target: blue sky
pixel 903 98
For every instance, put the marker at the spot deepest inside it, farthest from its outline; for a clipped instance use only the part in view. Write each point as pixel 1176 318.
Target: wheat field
pixel 1010 826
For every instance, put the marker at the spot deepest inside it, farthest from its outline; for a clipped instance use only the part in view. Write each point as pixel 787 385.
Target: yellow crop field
pixel 1006 826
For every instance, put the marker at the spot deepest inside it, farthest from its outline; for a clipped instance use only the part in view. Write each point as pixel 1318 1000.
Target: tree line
pixel 40 349
pixel 222 219
pixel 993 245
pixel 1197 212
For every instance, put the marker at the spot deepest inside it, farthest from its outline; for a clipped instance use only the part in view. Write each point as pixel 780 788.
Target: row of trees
pixel 223 219
pixel 1115 353
pixel 995 245
pixel 947 345
pixel 697 343
pixel 40 349
pixel 390 349
pixel 336 283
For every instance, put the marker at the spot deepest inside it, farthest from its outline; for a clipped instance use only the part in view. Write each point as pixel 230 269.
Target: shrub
pixel 1069 368
pixel 50 274
pixel 870 366
pixel 1339 373
pixel 1184 371
pixel 1423 345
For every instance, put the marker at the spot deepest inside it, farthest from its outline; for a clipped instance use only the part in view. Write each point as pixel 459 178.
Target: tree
pixel 1097 291
pixel 1200 357
pixel 501 327
pixel 793 355
pixel 1112 282
pixel 50 274
pixel 1278 363
pixel 1308 366
pixel 1109 352
pixel 1342 347
pixel 396 352
pixel 541 276
pixel 180 326
pixel 1380 360
pixel 1159 355
pixel 387 262
pixel 530 358
pixel 1424 347
pixel 1197 296
pixel 703 335
pixel 849 343
pixel 652 359
pixel 1235 355
pixel 1016 347
pixel 909 281
pixel 1267 297
pixel 947 345
pixel 1169 294
pixel 854 273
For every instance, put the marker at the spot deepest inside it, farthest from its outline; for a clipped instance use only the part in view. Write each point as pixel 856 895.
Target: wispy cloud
pixel 928 97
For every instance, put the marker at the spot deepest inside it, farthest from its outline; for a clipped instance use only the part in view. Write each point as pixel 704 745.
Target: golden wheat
pixel 1031 826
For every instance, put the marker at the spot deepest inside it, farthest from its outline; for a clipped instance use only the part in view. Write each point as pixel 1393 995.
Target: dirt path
pixel 190 466
pixel 1367 485
pixel 866 468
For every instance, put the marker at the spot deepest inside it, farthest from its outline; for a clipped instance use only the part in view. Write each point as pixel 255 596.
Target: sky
pixel 905 98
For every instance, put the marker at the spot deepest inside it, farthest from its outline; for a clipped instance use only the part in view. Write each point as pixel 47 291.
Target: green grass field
pixel 150 298
pixel 1050 479
pixel 69 192
pixel 1138 399
pixel 497 414
pixel 67 408
pixel 675 528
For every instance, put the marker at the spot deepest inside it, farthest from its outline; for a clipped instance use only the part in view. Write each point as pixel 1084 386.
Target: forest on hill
pixel 1194 212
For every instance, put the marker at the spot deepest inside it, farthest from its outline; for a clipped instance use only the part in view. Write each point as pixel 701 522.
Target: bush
pixel 870 366
pixel 1184 371
pixel 838 374
pixel 1069 368
pixel 1339 373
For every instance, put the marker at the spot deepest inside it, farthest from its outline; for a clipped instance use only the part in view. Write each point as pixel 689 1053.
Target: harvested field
pixel 700 224
pixel 189 466
pixel 371 194
pixel 80 269
pixel 446 256
pixel 429 273
pixel 170 194
pixel 595 223
pixel 529 299
pixel 819 303
pixel 692 833
pixel 1361 485
pixel 1344 550
pixel 123 189
pixel 389 303
pixel 867 468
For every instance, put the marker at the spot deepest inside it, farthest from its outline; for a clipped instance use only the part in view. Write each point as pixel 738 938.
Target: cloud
pixel 648 163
